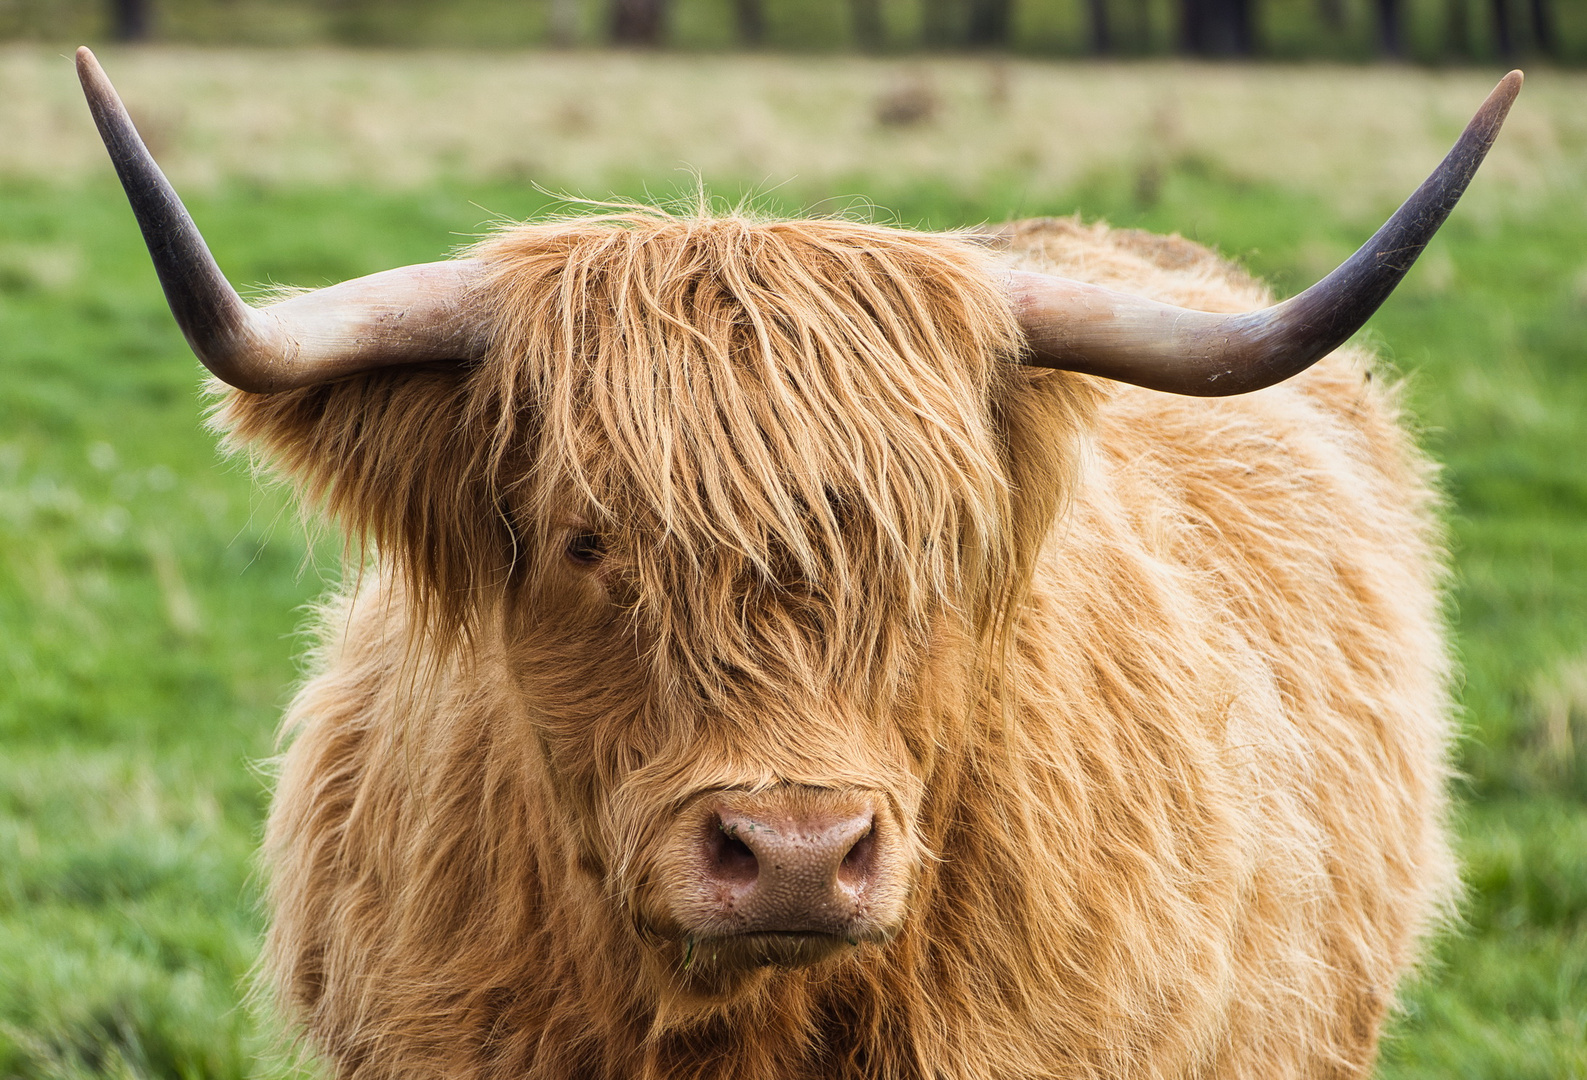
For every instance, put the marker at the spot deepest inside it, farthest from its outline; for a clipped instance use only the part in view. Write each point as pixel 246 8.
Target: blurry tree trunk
pixel 1143 26
pixel 1391 28
pixel 638 22
pixel 562 23
pixel 1503 39
pixel 129 20
pixel 989 23
pixel 868 32
pixel 1101 31
pixel 1543 36
pixel 1457 28
pixel 751 17
pixel 1217 28
pixel 936 23
pixel 1332 13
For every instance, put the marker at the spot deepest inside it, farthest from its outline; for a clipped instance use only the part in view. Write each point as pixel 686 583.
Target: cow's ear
pixel 401 462
pixel 1042 419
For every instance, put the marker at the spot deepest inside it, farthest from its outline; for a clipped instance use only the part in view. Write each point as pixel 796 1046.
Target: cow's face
pixel 770 524
pixel 740 774
pixel 750 505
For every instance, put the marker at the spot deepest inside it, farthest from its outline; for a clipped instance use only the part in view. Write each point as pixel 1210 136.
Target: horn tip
pixel 1510 85
pixel 89 73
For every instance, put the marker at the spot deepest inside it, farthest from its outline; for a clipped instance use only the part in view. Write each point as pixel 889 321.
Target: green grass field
pixel 150 595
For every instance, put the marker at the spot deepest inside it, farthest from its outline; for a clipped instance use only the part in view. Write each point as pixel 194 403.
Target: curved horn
pixel 1077 327
pixel 402 316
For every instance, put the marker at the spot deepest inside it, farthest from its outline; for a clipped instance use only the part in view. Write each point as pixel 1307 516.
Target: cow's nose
pixel 770 872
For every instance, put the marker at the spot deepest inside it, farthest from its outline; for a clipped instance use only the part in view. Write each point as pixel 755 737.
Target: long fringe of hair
pixel 802 404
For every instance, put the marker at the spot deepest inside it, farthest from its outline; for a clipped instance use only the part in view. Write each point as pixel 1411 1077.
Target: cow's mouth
pixel 780 949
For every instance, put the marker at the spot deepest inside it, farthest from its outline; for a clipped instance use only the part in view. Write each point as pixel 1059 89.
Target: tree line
pixel 1207 28
pixel 1210 28
pixel 1227 27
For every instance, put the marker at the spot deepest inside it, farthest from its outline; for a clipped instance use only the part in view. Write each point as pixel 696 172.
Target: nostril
pixel 731 860
pixel 860 861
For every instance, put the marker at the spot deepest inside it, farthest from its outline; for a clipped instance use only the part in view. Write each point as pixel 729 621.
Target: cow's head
pixel 769 521
pixel 743 507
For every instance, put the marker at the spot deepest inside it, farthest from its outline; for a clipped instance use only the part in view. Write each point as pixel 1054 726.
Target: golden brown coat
pixel 1155 685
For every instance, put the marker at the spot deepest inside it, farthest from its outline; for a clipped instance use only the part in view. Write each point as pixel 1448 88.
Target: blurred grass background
pixel 150 594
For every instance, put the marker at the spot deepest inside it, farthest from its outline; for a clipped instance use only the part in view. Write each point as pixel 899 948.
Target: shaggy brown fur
pixel 1154 686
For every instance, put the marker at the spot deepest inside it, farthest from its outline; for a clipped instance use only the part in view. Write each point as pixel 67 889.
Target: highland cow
pixel 811 649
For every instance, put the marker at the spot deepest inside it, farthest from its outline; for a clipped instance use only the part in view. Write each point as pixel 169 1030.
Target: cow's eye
pixel 585 548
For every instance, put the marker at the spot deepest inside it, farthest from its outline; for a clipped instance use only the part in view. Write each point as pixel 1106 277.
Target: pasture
pixel 150 593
